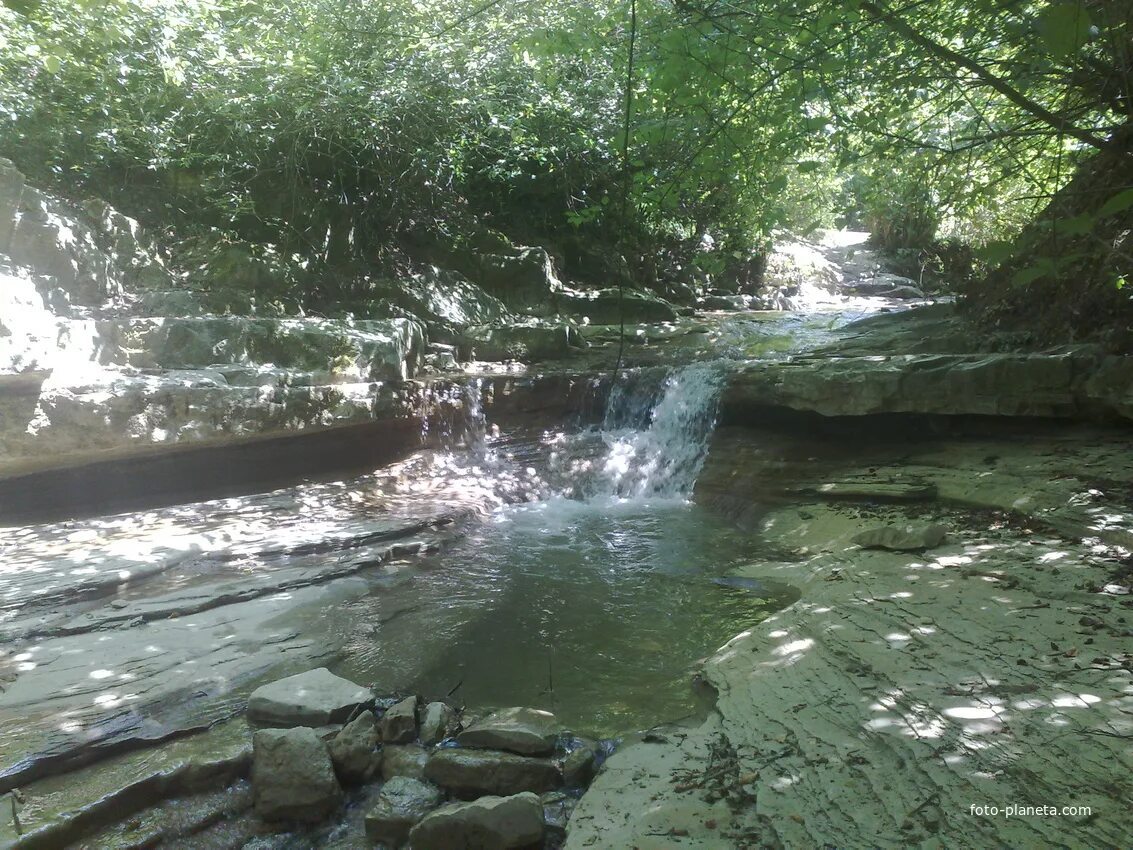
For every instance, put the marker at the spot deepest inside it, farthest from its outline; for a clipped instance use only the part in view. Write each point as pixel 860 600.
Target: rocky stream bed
pixel 792 578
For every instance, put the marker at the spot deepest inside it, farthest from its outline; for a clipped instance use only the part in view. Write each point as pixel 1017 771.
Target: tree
pixel 348 138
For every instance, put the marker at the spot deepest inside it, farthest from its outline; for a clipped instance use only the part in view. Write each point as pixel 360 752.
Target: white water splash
pixel 663 458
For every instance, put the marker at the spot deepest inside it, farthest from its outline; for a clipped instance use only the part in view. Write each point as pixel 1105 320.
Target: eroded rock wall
pixel 102 347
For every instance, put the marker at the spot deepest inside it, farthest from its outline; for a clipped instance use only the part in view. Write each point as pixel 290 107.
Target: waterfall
pixel 657 440
pixel 651 444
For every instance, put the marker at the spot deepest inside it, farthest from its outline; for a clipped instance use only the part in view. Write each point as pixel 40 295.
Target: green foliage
pixel 1064 28
pixel 901 211
pixel 333 138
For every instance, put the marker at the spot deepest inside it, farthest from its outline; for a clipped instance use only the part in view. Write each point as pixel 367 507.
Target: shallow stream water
pixel 596 610
pixel 579 576
pixel 594 600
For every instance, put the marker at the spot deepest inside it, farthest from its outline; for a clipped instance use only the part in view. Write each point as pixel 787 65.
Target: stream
pixel 596 600
pixel 560 565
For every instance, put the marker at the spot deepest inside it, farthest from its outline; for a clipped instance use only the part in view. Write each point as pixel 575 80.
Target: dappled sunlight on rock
pixel 970 648
pixel 953 560
pixel 793 649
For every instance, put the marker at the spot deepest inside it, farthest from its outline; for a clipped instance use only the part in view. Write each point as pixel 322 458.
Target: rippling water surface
pixel 597 610
pixel 597 606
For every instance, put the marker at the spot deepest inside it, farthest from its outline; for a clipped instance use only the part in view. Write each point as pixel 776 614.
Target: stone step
pixel 59 811
pixel 1060 385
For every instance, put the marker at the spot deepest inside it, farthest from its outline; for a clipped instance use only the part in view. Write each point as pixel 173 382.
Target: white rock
pixel 401 804
pixel 399 723
pixel 437 722
pixel 526 731
pixel 315 698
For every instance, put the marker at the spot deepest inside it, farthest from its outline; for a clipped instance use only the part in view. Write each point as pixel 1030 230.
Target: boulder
pixel 724 302
pixel 354 750
pixel 399 723
pixel 292 776
pixel 885 285
pixel 401 804
pixel 445 300
pixel 526 731
pixel 441 357
pixel 315 698
pixel 605 306
pixel 404 760
pixel 499 823
pixel 472 773
pixel 523 278
pixel 580 766
pixel 438 721
pixel 531 339
pixel 89 256
pixel 907 539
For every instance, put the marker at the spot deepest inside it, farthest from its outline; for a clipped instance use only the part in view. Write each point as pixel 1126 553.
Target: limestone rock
pixel 523 278
pixel 724 302
pixel 606 306
pixel 292 776
pixel 532 339
pixel 399 723
pixel 354 750
pixel 1046 385
pixel 499 823
pixel 438 721
pixel 526 731
pixel 404 760
pixel 886 285
pixel 31 336
pixel 445 300
pixel 910 538
pixel 874 491
pixel 580 766
pixel 344 351
pixel 315 698
pixel 441 357
pixel 89 255
pixel 471 773
pixel 401 804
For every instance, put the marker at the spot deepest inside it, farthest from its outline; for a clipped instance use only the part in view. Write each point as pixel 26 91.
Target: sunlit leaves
pixel 392 115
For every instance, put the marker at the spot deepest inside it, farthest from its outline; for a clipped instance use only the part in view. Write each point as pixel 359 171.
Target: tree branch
pixel 888 18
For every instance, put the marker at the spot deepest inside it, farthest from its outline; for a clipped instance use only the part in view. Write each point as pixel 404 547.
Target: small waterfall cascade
pixel 657 437
pixel 651 443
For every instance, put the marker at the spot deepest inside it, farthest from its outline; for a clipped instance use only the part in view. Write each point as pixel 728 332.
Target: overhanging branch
pixel 890 19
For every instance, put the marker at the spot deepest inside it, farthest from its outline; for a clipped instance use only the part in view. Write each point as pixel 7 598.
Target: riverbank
pixel 904 688
pixel 537 530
